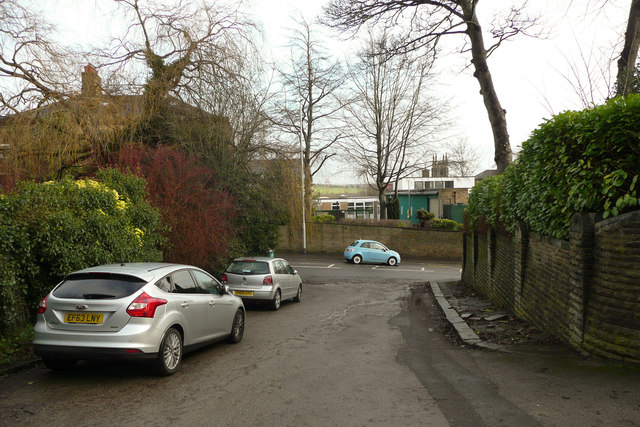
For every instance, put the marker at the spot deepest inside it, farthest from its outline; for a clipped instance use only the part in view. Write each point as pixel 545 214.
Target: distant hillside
pixel 324 190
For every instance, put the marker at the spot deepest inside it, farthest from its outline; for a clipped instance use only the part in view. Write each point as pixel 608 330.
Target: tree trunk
pixel 497 115
pixel 382 199
pixel 627 61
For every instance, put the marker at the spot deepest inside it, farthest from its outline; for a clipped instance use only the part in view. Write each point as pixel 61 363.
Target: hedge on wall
pixel 49 230
pixel 579 161
pixel 324 219
pixel 443 224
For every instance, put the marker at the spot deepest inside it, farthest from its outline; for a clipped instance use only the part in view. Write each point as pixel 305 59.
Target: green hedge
pixel 324 219
pixel 579 161
pixel 443 224
pixel 49 230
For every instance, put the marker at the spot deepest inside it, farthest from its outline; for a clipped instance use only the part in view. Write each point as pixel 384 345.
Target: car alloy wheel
pixel 392 261
pixel 170 353
pixel 357 259
pixel 237 329
pixel 275 302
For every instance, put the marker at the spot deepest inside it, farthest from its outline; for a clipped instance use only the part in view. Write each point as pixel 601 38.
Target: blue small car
pixel 370 251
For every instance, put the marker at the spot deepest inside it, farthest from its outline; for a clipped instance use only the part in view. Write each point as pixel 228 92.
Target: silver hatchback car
pixel 263 278
pixel 135 311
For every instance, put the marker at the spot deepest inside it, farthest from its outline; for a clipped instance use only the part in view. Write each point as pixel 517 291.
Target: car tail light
pixel 224 279
pixel 145 306
pixel 42 305
pixel 267 281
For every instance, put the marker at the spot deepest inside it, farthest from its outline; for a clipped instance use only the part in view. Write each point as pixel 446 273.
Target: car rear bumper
pixel 133 339
pixel 257 294
pixel 90 353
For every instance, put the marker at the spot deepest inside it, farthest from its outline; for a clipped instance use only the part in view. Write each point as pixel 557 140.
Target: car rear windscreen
pixel 98 286
pixel 248 267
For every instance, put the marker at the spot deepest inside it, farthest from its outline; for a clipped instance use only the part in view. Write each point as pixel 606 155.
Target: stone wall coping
pixel 413 229
pixel 618 221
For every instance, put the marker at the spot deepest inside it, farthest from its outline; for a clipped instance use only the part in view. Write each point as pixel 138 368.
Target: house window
pixel 448 184
pixel 438 184
pixel 418 185
pixel 360 210
pixel 428 185
pixel 368 213
pixel 335 206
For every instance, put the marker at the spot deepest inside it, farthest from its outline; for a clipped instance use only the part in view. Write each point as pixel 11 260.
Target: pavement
pixel 481 324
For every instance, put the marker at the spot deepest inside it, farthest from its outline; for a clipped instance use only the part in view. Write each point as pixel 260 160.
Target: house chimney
pixel 91 82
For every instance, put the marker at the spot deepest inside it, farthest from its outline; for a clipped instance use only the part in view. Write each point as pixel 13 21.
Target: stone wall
pixel 334 238
pixel 585 291
pixel 612 324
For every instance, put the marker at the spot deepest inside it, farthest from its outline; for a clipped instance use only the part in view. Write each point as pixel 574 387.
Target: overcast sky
pixel 534 77
pixel 530 74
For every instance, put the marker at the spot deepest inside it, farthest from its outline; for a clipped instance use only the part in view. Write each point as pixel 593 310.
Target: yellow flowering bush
pixel 49 230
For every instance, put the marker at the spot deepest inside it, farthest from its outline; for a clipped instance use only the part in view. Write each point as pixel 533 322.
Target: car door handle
pixel 185 305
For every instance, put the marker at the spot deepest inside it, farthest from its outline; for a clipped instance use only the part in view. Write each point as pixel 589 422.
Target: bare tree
pixel 174 55
pixel 34 70
pixel 182 44
pixel 629 54
pixel 463 159
pixel 243 103
pixel 426 21
pixel 311 82
pixel 590 76
pixel 390 118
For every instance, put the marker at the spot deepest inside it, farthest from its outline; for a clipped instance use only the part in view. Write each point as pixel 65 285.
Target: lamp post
pixel 304 229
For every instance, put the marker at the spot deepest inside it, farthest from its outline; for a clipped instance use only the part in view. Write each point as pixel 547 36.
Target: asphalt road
pixel 366 346
pixel 316 269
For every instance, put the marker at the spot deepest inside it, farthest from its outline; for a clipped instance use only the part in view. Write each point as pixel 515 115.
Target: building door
pixel 434 207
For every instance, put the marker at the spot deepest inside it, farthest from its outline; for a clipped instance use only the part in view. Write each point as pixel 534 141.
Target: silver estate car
pixel 263 278
pixel 135 311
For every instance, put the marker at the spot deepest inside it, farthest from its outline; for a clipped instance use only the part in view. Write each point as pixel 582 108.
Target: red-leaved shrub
pixel 200 215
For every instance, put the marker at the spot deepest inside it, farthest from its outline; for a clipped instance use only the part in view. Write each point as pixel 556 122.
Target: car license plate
pixel 243 293
pixel 92 318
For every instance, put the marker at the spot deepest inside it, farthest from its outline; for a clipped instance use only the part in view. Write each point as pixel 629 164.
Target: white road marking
pixel 331 265
pixel 385 268
pixel 317 266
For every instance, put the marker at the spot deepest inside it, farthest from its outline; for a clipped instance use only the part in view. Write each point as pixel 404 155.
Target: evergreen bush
pixel 579 161
pixel 424 216
pixel 51 229
pixel 324 219
pixel 444 224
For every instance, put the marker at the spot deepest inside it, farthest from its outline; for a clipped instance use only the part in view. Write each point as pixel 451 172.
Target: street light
pixel 304 230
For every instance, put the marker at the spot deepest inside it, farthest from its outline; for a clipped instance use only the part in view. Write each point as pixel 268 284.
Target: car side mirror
pixel 223 289
pixel 295 272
